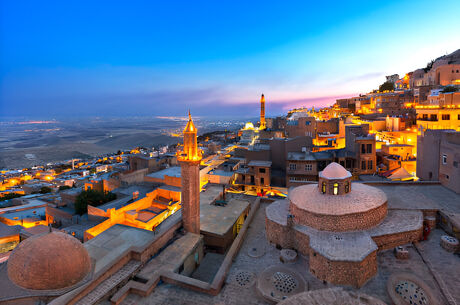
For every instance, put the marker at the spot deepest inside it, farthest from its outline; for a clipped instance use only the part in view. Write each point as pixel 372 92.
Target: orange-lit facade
pixel 145 213
pixel 263 124
pixel 189 159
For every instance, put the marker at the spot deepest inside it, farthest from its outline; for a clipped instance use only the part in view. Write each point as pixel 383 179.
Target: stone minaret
pixel 262 125
pixel 189 160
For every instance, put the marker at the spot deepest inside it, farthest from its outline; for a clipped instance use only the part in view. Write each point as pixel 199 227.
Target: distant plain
pixel 25 142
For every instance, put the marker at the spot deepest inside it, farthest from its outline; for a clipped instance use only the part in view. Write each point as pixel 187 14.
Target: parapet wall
pixel 339 223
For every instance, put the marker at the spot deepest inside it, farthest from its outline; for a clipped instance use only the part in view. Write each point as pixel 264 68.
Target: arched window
pixel 336 188
pixel 347 187
pixel 323 188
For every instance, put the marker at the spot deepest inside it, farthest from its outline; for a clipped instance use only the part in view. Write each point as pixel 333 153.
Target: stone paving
pixel 233 293
pixel 421 197
pixel 444 264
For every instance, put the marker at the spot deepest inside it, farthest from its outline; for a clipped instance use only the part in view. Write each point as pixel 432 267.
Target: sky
pixel 120 58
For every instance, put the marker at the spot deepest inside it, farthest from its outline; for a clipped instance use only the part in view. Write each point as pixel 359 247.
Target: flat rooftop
pixel 420 196
pixel 260 163
pixel 171 172
pixel 219 219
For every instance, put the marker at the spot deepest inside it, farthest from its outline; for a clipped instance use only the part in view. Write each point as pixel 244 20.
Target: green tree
pixel 92 197
pixel 449 89
pixel 64 187
pixel 387 86
pixel 45 190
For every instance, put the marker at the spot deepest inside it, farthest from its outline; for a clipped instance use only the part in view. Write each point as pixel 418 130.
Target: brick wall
pixel 343 273
pixel 340 223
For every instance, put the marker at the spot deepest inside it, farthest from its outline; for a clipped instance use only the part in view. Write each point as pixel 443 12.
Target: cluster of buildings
pixel 314 200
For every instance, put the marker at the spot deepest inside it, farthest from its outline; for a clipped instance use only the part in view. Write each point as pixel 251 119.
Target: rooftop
pixel 361 198
pixel 171 172
pixel 334 171
pixel 260 163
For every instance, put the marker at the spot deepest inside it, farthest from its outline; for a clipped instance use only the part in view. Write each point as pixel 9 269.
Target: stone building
pixel 340 225
pixel 438 156
pixel 255 176
pixel 189 160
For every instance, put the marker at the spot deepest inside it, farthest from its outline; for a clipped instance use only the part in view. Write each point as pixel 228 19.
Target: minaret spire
pixel 189 159
pixel 263 124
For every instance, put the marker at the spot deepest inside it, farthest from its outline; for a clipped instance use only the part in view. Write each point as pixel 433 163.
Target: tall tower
pixel 262 125
pixel 189 160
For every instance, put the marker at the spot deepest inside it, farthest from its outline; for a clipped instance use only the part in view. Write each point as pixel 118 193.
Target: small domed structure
pixel 49 261
pixel 335 171
pixel 334 180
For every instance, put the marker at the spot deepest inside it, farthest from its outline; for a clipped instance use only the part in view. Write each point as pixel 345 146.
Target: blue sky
pixel 96 58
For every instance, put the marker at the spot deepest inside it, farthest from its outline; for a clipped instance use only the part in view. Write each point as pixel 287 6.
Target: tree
pixel 387 86
pixel 92 197
pixel 64 187
pixel 45 190
pixel 449 89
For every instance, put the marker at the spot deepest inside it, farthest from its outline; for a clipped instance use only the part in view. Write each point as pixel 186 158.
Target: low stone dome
pixel 335 171
pixel 49 261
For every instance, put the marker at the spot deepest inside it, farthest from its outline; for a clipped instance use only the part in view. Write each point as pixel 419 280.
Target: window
pixel 292 166
pixel 458 117
pixel 369 148
pixel 446 117
pixel 336 188
pixel 363 165
pixel 425 116
pixel 308 167
pixel 261 170
pixel 455 164
pixel 369 164
pixel 444 159
pixel 262 181
pixel 363 148
pixel 434 117
pixel 347 187
pixel 323 188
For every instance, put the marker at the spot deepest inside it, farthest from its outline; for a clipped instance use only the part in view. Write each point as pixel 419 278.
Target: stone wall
pixel 278 234
pixel 340 223
pixel 392 240
pixel 343 273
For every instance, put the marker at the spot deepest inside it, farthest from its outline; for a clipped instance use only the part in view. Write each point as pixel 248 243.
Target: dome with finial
pixel 49 261
pixel 335 171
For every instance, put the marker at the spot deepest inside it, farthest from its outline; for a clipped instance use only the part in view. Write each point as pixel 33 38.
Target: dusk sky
pixel 115 58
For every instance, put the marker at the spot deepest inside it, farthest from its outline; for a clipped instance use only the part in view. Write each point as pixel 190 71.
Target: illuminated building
pixel 189 159
pixel 263 124
pixel 443 113
pixel 255 176
pixel 27 215
pixel 145 213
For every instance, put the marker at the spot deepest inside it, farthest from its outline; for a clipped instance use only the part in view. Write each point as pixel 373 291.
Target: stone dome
pixel 49 261
pixel 335 171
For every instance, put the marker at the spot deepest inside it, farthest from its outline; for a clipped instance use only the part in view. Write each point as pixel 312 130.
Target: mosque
pixel 340 226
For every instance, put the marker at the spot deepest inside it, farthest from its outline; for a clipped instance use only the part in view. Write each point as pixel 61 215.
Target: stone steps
pixel 106 286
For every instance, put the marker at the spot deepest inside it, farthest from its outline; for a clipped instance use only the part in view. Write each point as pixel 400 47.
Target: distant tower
pixel 262 125
pixel 189 160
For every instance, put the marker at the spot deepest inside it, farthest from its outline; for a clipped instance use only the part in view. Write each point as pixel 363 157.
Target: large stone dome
pixel 49 261
pixel 335 171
